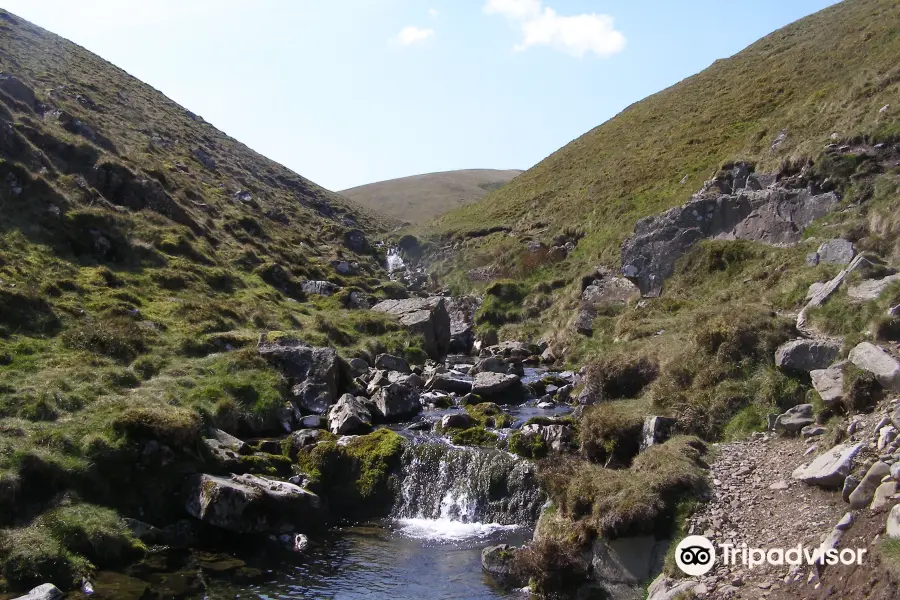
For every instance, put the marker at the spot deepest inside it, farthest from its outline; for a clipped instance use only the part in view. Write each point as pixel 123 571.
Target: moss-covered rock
pixel 474 436
pixel 488 414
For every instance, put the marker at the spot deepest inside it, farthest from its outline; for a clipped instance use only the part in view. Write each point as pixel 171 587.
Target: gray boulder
pixel 462 322
pixel 836 252
pixel 427 317
pixel 795 418
pixel 883 366
pixel 446 382
pixel 397 402
pixel 231 442
pixel 320 288
pixel 349 416
pixel 312 372
pixel 656 430
pixel 252 504
pixel 559 438
pixel 358 367
pixel 392 363
pixel 865 491
pixel 491 364
pixel 497 387
pixel 459 420
pixel 830 469
pixel 807 355
pixel 45 591
pixel 773 215
pixel 829 383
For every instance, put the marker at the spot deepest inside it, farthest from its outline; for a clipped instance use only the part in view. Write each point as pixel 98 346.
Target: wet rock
pixel 143 531
pixel 807 355
pixel 865 491
pixel 831 468
pixel 836 252
pixel 774 216
pixel 397 402
pixel 349 416
pixel 46 591
pixel 497 387
pixel 446 382
pixel 499 561
pixel 312 372
pixel 252 504
pixel 829 383
pixel 882 365
pixel 795 418
pixel 392 363
pixel 656 430
pixel 460 420
pixel 424 316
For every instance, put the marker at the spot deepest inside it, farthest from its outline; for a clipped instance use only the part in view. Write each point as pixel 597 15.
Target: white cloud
pixel 413 35
pixel 433 13
pixel 576 35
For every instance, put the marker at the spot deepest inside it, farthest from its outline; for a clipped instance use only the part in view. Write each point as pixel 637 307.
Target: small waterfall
pixel 394 260
pixel 467 486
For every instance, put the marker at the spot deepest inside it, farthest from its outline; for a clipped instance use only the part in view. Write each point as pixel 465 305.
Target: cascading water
pixel 456 493
pixel 394 261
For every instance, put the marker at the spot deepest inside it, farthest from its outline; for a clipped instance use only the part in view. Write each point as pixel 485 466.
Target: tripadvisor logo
pixel 695 555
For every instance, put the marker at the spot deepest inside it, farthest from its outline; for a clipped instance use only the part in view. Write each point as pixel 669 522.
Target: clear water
pixel 415 559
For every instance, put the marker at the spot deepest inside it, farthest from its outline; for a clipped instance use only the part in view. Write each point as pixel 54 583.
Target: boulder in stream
pixel 427 317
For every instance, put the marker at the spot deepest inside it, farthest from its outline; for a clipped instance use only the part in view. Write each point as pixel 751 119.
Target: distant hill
pixel 419 198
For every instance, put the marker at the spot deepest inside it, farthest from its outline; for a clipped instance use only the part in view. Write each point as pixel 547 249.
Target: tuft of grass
pixel 97 533
pixel 617 502
pixel 32 556
pixel 610 433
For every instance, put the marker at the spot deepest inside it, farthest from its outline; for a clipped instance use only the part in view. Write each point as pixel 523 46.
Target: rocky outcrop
pixel 397 402
pixel 774 216
pixel 871 289
pixel 624 566
pixel 831 468
pixel 835 252
pixel 447 382
pixel 807 355
pixel 312 372
pixel 427 317
pixel 252 504
pixel 462 323
pixel 320 288
pixel 882 365
pixel 349 416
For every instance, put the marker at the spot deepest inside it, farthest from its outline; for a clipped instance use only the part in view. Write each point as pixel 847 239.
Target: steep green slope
pixel 829 73
pixel 419 198
pixel 142 252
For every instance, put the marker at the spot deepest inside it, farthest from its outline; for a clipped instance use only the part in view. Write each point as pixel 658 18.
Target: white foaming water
pixel 394 260
pixel 447 530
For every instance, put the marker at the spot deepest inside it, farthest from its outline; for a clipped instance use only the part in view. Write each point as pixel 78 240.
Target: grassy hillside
pixel 419 198
pixel 142 252
pixel 829 73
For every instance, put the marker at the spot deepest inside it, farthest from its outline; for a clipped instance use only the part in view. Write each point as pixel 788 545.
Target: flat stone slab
pixel 871 288
pixel 883 366
pixel 831 468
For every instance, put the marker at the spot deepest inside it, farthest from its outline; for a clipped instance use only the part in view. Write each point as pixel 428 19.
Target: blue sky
pixel 347 92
